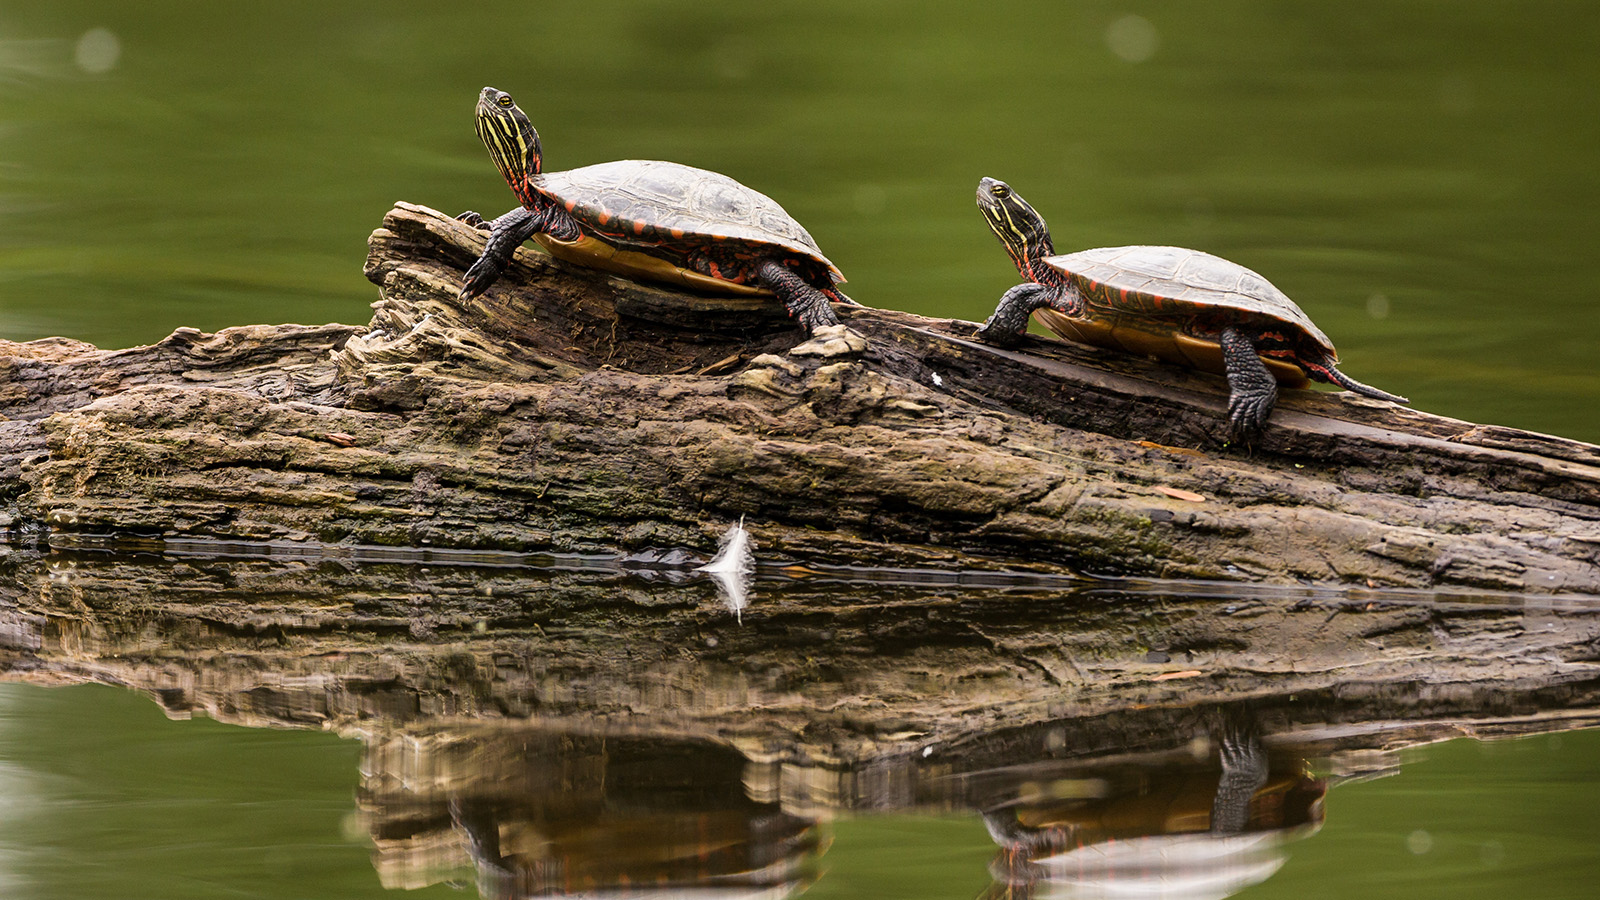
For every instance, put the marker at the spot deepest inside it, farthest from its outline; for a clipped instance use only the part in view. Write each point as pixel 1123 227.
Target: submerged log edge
pixel 571 411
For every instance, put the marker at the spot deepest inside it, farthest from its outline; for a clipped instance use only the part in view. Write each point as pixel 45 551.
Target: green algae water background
pixel 151 808
pixel 1421 177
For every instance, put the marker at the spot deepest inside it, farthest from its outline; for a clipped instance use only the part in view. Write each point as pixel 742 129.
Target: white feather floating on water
pixel 733 565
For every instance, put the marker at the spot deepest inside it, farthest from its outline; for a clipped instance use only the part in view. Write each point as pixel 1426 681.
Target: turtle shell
pixel 679 224
pixel 1172 303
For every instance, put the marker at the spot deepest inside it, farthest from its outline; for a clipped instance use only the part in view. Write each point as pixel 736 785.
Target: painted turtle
pixel 1182 306
pixel 648 219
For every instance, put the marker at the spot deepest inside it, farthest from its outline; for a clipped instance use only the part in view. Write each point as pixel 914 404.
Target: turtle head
pixel 1020 229
pixel 512 140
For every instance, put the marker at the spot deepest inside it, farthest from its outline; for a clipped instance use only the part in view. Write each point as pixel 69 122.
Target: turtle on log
pixel 648 219
pixel 1182 306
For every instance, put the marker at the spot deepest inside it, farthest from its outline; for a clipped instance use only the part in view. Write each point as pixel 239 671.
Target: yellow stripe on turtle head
pixel 1020 228
pixel 511 139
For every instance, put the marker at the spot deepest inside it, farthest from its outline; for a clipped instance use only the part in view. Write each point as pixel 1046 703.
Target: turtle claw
pixel 472 218
pixel 1253 391
pixel 1247 414
pixel 484 272
pixel 1001 334
pixel 837 296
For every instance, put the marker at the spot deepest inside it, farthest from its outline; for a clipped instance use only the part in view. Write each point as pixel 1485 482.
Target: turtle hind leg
pixel 804 301
pixel 1252 391
pixel 1244 771
pixel 1322 371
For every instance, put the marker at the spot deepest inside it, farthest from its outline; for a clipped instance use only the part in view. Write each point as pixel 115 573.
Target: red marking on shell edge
pixel 570 205
pixel 638 227
pixel 676 232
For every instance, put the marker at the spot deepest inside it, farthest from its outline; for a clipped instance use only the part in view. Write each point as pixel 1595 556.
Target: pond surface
pixel 278 727
pixel 137 805
pixel 1421 178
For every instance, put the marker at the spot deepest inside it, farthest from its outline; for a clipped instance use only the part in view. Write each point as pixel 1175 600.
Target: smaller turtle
pixel 648 219
pixel 1181 306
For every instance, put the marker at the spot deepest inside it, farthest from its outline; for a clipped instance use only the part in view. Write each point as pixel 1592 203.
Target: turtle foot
pixel 472 218
pixel 814 316
pixel 1247 413
pixel 1009 322
pixel 484 273
pixel 805 302
pixel 1000 334
pixel 1252 389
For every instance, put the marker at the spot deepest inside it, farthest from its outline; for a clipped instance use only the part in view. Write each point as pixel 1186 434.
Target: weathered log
pixel 571 411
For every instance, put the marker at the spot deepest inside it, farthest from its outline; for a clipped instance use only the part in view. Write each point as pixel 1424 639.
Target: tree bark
pixel 571 411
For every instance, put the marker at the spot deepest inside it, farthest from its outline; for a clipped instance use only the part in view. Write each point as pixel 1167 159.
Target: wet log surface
pixel 569 411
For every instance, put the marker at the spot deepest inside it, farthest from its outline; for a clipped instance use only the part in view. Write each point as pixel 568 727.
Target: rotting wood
pixel 545 416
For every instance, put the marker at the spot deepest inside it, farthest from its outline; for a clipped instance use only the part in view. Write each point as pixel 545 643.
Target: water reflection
pixel 1205 819
pixel 537 812
pixel 597 730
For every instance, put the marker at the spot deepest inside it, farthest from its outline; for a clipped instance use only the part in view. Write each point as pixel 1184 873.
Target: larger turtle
pixel 649 219
pixel 1178 305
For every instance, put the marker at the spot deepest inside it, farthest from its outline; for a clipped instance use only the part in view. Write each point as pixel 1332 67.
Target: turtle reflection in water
pixel 1169 830
pixel 1181 306
pixel 541 811
pixel 648 219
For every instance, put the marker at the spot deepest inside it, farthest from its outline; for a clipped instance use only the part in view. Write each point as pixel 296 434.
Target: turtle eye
pixel 503 101
pixel 1000 190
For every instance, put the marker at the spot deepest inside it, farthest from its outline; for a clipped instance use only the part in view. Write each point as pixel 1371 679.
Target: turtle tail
pixel 1325 371
pixel 838 296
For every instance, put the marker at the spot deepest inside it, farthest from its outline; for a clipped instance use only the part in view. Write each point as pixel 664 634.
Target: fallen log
pixel 576 412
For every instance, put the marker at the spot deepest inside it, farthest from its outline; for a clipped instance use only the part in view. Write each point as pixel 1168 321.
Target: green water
pixel 1420 177
pixel 141 806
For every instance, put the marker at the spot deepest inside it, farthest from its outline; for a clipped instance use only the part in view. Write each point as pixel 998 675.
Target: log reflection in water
pixel 506 710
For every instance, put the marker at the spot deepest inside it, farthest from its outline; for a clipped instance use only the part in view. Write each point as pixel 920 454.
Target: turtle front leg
pixel 509 232
pixel 804 302
pixel 506 234
pixel 1009 322
pixel 1252 391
